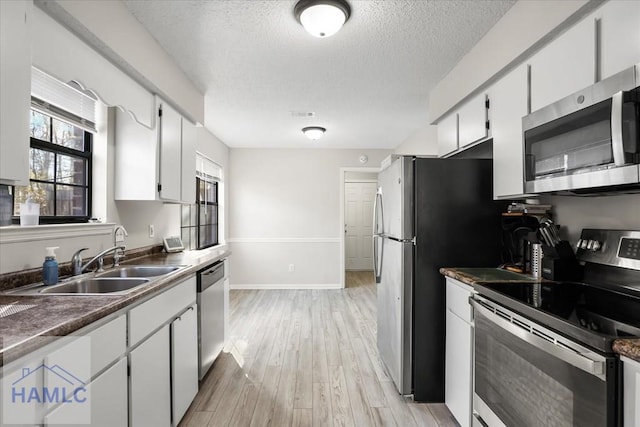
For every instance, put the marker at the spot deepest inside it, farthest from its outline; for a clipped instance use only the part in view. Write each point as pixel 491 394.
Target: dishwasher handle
pixel 210 276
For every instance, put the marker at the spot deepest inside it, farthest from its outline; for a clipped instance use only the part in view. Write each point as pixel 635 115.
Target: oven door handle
pixel 580 361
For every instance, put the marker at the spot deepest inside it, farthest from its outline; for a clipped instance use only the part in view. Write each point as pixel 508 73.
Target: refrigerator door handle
pixel 377 270
pixel 378 222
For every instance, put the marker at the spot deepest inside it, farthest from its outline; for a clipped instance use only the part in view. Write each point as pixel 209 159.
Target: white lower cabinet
pixel 631 392
pixel 164 366
pixel 150 382
pixel 138 373
pixel 106 402
pixel 184 362
pixel 459 352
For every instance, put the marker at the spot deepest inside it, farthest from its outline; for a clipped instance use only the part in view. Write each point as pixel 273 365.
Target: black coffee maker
pixel 519 232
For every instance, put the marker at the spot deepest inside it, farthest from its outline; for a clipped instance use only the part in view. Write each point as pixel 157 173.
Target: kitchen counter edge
pixel 72 313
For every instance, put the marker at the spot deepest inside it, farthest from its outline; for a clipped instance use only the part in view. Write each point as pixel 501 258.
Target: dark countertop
pixel 56 316
pixel 629 347
pixel 478 276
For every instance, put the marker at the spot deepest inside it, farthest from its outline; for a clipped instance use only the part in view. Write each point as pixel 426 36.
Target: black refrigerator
pixel 429 213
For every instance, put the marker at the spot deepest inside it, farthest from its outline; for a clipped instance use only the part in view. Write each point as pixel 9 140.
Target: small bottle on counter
pixel 50 267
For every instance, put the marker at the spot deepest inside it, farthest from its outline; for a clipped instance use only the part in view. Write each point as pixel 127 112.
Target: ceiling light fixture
pixel 322 18
pixel 313 132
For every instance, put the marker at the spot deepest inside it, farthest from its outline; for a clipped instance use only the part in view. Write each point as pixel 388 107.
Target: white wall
pixel 575 213
pixel 285 209
pixel 424 142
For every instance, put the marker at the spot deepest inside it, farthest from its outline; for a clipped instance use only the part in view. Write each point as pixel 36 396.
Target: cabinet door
pixel 508 106
pixel 472 121
pixel 106 402
pixel 564 66
pixel 631 392
pixel 448 134
pixel 150 386
pixel 458 372
pixel 15 87
pixel 170 153
pixel 619 36
pixel 184 362
pixel 188 173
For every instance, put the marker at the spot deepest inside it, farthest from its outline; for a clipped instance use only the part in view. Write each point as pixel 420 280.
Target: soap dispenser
pixel 50 267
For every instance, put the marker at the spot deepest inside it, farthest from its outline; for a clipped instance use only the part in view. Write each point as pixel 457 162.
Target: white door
pixel 108 401
pixel 358 204
pixel 184 362
pixel 150 382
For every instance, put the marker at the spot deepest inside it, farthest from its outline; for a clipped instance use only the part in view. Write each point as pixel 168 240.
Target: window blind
pixel 51 96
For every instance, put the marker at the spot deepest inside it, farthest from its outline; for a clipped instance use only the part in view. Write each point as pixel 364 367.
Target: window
pixel 60 170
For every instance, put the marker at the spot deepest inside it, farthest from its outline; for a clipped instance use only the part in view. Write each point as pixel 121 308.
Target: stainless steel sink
pixel 140 271
pixel 119 280
pixel 94 285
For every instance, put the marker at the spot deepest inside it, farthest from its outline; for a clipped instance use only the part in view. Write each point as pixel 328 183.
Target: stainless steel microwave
pixel 587 142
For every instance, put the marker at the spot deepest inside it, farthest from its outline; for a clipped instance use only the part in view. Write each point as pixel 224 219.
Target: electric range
pixel 543 350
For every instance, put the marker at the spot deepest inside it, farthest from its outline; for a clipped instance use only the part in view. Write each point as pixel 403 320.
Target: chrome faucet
pixel 76 260
pixel 118 255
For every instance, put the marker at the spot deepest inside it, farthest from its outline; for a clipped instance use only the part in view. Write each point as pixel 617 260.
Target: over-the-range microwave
pixel 588 142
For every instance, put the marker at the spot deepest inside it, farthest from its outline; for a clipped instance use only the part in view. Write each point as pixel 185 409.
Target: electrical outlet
pixel 292 268
pixel 152 231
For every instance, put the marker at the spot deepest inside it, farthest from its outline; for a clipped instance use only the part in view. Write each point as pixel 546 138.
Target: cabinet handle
pixel 181 314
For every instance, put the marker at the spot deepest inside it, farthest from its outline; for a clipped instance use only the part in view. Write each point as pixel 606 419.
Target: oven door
pixel 526 375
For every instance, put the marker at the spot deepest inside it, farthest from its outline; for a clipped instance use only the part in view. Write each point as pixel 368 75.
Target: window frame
pixel 56 149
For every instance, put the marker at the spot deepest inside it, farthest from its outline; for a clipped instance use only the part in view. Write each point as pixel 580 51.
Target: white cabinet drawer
pixel 150 315
pixel 458 295
pixel 100 347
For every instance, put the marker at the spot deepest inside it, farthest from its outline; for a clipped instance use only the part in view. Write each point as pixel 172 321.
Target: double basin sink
pixel 118 280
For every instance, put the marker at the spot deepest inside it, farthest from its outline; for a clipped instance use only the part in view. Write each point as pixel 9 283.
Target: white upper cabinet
pixel 564 66
pixel 189 143
pixel 463 126
pixel 619 23
pixel 472 121
pixel 508 106
pixel 448 134
pixel 156 164
pixel 15 90
pixel 170 140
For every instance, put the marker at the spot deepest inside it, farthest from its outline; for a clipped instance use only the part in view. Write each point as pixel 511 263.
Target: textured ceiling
pixel 368 84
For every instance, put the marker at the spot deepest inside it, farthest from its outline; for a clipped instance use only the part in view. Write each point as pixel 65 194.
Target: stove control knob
pixel 596 246
pixel 590 245
pixel 583 244
pixel 579 244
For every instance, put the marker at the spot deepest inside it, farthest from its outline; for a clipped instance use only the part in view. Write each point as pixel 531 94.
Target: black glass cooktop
pixel 593 315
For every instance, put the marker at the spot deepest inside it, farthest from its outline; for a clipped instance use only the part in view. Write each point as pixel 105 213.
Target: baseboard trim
pixel 286 286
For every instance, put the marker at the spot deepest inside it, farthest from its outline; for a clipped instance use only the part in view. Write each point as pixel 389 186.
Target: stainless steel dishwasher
pixel 210 299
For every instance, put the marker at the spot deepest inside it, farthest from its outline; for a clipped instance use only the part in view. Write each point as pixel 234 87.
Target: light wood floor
pixel 306 358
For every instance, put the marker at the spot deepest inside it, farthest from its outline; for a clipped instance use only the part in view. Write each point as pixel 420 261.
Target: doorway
pixel 359 190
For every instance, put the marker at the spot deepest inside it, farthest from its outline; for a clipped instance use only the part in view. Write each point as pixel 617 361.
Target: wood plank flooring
pixel 306 358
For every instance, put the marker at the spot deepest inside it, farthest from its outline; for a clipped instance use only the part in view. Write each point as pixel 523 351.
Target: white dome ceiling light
pixel 314 132
pixel 322 18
